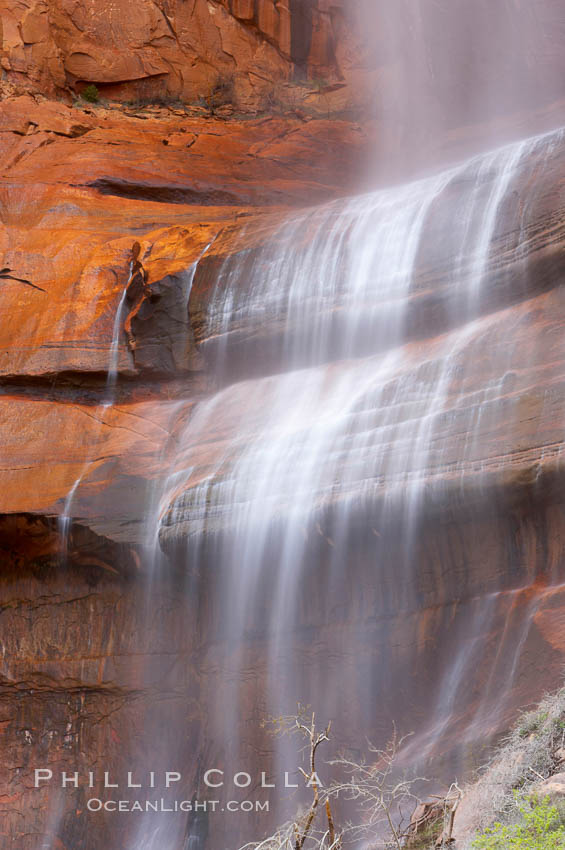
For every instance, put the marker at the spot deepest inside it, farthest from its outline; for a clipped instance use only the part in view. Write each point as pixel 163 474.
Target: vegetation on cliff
pixel 541 827
pixel 517 803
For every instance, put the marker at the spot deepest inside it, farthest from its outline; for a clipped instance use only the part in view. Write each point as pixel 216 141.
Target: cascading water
pixel 345 444
pixel 356 503
pixel 117 332
pixel 65 518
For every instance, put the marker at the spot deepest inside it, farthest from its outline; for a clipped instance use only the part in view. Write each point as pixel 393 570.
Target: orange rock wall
pixel 183 49
pixel 77 188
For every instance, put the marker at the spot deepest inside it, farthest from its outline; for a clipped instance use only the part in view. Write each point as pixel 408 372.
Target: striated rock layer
pixel 385 511
pixel 77 189
pixel 82 455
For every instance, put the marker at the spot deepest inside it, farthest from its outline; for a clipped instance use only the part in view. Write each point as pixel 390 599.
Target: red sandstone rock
pixel 79 186
pixel 183 49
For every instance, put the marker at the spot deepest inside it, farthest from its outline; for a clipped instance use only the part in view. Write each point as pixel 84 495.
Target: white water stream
pixel 295 459
pixel 279 477
pixel 65 517
pixel 117 332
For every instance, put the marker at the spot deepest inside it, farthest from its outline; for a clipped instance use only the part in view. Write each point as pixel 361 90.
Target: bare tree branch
pixel 373 785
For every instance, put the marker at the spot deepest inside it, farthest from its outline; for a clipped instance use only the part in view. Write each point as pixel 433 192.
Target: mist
pixel 453 77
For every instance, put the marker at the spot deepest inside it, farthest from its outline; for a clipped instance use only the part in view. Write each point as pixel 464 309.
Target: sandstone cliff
pixel 93 654
pixel 78 187
pixel 177 49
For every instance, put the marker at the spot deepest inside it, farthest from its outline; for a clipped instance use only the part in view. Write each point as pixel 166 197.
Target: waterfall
pixel 153 831
pixel 117 332
pixel 347 436
pixel 115 346
pixel 296 431
pixel 64 521
pixel 343 270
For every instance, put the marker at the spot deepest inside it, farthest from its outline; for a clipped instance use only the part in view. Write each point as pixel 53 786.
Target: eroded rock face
pixel 239 50
pixel 423 74
pixel 87 657
pixel 79 188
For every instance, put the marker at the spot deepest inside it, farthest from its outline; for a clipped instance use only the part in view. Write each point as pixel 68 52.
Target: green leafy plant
pixel 90 93
pixel 540 828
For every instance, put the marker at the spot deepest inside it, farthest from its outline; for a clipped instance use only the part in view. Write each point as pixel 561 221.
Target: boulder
pixel 553 787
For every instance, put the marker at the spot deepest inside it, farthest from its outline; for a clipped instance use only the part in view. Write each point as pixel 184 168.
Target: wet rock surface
pixel 99 659
pixel 78 686
pixel 67 234
pixel 91 662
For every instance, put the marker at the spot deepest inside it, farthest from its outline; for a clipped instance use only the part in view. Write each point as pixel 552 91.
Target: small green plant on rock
pixel 540 828
pixel 90 93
